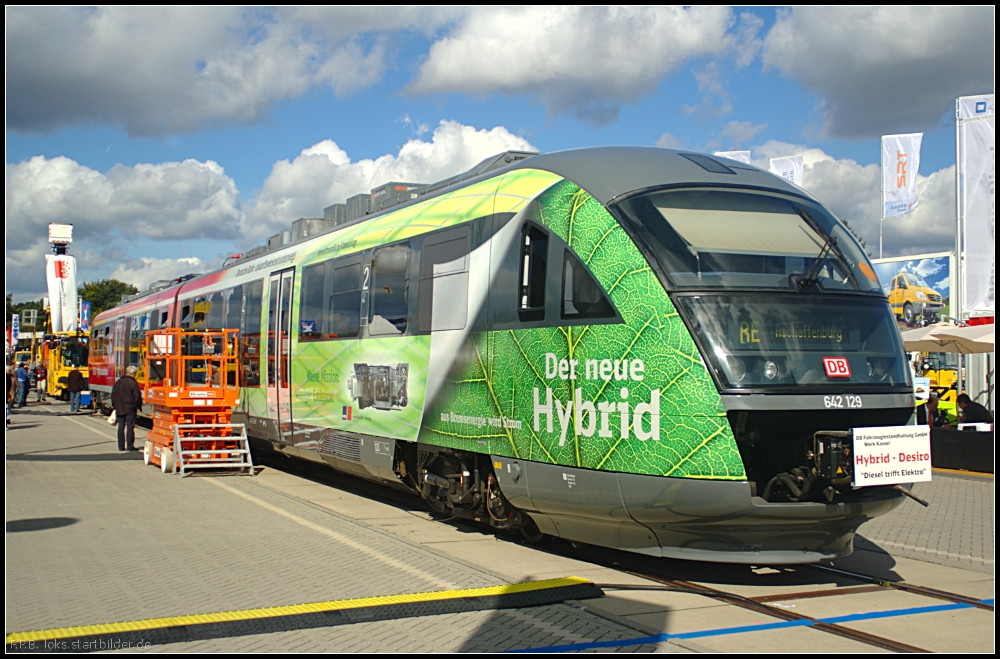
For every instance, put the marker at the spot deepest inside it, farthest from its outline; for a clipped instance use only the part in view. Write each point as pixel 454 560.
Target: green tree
pixel 19 308
pixel 105 294
pixel 864 243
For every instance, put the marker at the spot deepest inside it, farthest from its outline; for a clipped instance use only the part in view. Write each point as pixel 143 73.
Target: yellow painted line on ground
pixel 91 428
pixel 963 472
pixel 340 538
pixel 295 609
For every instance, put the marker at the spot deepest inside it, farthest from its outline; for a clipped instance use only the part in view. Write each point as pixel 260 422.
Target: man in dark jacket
pixel 126 398
pixel 973 412
pixel 75 385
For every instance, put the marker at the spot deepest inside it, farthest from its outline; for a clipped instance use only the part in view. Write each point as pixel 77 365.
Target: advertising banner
pixel 970 107
pixel 978 173
pixel 85 317
pixel 891 455
pixel 739 156
pixel 789 168
pixel 60 274
pixel 927 281
pixel 15 328
pixel 900 163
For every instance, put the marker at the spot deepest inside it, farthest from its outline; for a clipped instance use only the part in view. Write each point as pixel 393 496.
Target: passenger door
pixel 278 351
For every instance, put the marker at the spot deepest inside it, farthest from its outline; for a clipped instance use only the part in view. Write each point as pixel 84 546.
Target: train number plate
pixel 845 401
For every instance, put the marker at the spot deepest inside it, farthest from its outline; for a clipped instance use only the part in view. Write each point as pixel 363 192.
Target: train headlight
pixel 770 370
pixel 737 368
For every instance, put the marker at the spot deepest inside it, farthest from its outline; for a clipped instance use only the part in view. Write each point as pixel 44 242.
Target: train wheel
pixel 147 451
pixel 167 461
pixel 530 531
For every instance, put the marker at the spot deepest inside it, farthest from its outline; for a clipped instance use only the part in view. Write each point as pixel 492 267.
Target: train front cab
pixel 772 289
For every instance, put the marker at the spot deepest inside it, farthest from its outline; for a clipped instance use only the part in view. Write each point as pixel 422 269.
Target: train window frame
pixel 334 331
pixel 531 282
pixel 250 322
pixel 581 275
pixel 311 274
pixel 445 259
pixel 231 295
pixel 384 326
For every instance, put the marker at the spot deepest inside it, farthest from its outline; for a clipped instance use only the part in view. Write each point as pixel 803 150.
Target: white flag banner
pixel 970 107
pixel 900 164
pixel 60 273
pixel 789 168
pixel 739 156
pixel 978 169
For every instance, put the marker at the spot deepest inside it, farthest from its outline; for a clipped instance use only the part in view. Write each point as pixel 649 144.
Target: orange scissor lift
pixel 192 382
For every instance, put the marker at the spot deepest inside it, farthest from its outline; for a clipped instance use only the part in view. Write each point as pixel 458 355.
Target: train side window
pixel 186 315
pixel 213 311
pixel 390 294
pixel 311 302
pixel 344 316
pixel 534 257
pixel 582 296
pixel 234 308
pixel 250 335
pixel 444 281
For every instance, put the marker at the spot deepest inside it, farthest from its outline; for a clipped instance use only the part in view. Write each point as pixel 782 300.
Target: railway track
pixel 762 604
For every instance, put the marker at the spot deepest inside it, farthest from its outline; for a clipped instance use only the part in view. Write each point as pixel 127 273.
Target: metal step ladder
pixel 188 456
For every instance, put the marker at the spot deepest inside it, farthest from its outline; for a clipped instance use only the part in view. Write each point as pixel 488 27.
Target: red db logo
pixel 836 367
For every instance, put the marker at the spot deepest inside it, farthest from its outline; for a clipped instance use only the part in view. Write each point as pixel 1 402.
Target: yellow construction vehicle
pixel 62 352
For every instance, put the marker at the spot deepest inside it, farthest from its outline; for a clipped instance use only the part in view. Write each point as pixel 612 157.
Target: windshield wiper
pixel 813 275
pixel 830 245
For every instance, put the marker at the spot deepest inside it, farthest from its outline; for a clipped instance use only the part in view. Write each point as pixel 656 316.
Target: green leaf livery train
pixel 640 348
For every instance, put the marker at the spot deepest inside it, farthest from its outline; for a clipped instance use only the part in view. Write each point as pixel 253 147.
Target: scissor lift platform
pixel 193 385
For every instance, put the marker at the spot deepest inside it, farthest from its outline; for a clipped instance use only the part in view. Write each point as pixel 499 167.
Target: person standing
pixel 11 388
pixel 75 385
pixel 40 376
pixel 22 385
pixel 126 398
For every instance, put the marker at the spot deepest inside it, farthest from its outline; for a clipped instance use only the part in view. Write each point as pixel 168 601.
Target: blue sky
pixel 115 116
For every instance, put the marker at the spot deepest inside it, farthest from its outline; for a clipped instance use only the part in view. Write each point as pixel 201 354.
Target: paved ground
pixel 957 528
pixel 95 536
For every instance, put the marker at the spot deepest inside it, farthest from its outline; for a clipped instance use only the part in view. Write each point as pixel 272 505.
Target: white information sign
pixel 738 156
pixel 892 454
pixel 922 388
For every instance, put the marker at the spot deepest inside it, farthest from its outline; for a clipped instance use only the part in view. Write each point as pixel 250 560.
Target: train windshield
pixel 768 340
pixel 712 238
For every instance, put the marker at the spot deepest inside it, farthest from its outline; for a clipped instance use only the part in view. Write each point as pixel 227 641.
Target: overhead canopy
pixel 950 338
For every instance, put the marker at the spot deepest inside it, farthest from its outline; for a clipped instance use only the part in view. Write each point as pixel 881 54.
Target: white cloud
pixel 109 212
pixel 324 174
pixel 155 71
pixel 144 271
pixel 167 200
pixel 880 70
pixel 741 131
pixel 852 192
pixel 669 141
pixel 716 100
pixel 586 60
